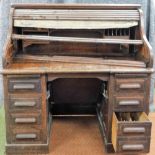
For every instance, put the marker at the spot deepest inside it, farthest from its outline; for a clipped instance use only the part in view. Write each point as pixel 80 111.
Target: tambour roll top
pixel 69 32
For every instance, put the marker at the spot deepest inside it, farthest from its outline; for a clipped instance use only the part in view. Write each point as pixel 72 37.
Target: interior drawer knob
pixel 130 86
pixel 129 102
pixel 26 136
pixel 134 130
pixel 132 147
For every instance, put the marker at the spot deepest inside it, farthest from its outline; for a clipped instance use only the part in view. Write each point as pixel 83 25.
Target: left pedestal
pixel 26 112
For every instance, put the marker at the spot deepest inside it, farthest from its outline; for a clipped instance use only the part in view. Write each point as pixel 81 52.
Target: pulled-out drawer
pixel 25 119
pixel 135 126
pixel 25 102
pixel 130 84
pixel 24 84
pixel 25 136
pixel 129 103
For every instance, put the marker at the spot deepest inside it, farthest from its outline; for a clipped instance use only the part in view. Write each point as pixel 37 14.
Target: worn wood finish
pixel 8 47
pixel 101 62
pixel 74 39
pixel 76 6
pixel 81 60
pixel 137 126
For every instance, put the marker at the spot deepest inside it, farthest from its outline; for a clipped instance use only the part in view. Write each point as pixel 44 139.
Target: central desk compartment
pixel 75 95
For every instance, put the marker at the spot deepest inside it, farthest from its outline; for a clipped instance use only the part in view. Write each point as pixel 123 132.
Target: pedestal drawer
pixel 25 136
pixel 24 102
pixel 130 84
pixel 25 119
pixel 24 84
pixel 134 126
pixel 129 103
pixel 132 145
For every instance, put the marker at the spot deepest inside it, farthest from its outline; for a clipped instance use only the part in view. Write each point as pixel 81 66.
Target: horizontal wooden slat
pixel 76 39
pixel 81 60
pixel 76 14
pixel 75 24
pixel 75 6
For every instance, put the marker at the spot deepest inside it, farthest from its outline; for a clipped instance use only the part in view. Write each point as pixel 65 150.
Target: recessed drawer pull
pixel 23 86
pixel 134 130
pixel 26 136
pixel 25 120
pixel 24 103
pixel 129 102
pixel 130 86
pixel 132 147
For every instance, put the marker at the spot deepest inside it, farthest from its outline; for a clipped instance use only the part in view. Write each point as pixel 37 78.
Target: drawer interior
pixel 128 127
pixel 132 117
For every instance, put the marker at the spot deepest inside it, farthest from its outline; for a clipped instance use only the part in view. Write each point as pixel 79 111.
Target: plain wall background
pixel 148 7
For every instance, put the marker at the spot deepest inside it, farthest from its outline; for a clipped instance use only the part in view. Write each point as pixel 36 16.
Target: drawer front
pixel 129 103
pixel 133 124
pixel 25 119
pixel 139 129
pixel 135 145
pixel 25 136
pixel 24 84
pixel 26 102
pixel 130 84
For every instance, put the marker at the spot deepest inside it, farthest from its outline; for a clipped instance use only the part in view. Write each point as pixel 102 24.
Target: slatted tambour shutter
pixel 75 18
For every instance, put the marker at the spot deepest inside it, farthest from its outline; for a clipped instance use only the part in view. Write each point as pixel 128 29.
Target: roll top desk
pixel 94 58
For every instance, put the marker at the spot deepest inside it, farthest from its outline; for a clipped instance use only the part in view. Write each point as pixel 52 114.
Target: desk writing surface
pixel 55 67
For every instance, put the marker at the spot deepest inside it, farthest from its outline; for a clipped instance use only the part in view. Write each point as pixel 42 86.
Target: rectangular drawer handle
pixel 132 147
pixel 134 130
pixel 26 136
pixel 130 86
pixel 25 120
pixel 23 86
pixel 24 103
pixel 129 102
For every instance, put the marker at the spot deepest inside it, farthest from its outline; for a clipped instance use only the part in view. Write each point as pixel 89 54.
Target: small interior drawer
pixel 130 125
pixel 129 103
pixel 25 119
pixel 130 84
pixel 23 84
pixel 26 102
